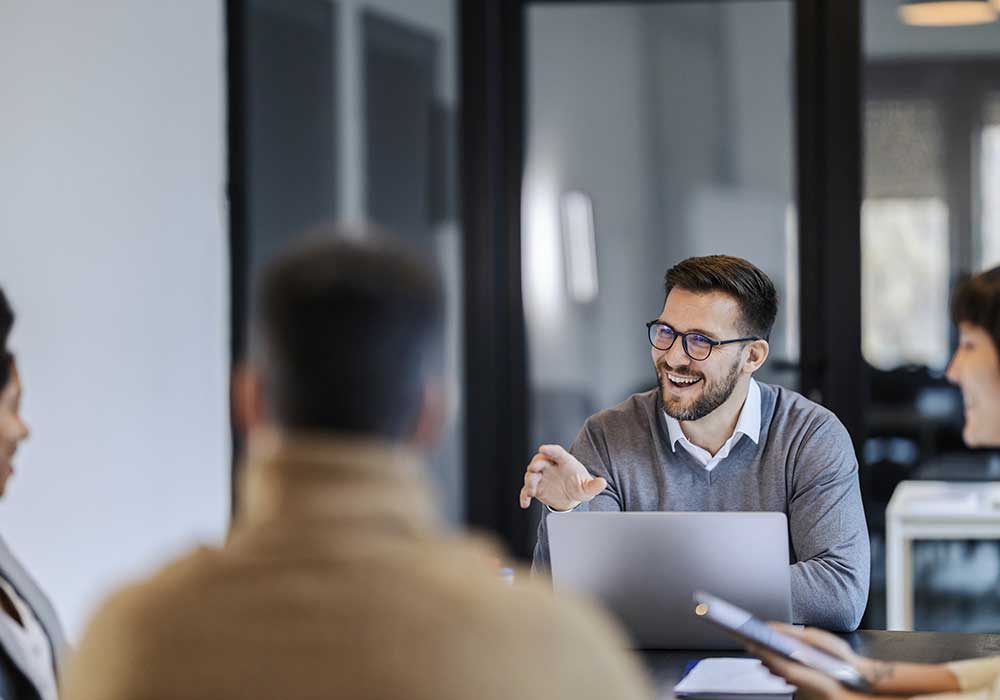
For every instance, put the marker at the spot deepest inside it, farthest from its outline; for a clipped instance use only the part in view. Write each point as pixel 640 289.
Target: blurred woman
pixel 975 368
pixel 31 638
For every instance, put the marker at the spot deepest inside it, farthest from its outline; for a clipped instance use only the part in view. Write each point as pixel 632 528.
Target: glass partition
pixel 348 115
pixel 655 132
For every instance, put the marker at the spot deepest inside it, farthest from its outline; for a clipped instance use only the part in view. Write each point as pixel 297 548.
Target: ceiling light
pixel 947 13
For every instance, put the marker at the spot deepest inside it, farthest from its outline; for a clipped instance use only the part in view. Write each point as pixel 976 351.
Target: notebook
pixel 746 679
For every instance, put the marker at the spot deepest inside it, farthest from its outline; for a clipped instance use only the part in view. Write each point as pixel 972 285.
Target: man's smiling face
pixel 692 389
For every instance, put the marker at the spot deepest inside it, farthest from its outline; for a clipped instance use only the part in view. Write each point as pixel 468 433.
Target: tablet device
pixel 748 628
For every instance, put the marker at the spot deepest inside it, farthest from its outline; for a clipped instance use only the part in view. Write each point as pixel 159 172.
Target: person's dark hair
pixel 6 323
pixel 351 331
pixel 738 278
pixel 977 301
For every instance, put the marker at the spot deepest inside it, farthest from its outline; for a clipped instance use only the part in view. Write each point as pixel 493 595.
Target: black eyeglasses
pixel 696 346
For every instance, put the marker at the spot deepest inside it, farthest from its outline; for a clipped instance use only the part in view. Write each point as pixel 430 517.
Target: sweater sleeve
pixel 977 680
pixel 977 674
pixel 828 531
pixel 591 449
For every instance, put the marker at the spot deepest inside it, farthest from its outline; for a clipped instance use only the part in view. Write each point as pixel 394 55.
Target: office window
pixel 905 282
pixel 904 236
pixel 348 116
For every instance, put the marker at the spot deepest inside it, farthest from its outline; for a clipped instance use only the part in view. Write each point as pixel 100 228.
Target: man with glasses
pixel 712 438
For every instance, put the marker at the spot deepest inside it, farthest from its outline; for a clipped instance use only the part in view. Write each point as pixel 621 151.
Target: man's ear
pixel 432 417
pixel 248 399
pixel 757 352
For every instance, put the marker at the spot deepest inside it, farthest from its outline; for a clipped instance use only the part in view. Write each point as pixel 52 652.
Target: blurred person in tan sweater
pixel 975 368
pixel 337 579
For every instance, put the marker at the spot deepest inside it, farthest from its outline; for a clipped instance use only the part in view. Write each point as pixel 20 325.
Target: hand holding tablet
pixel 757 633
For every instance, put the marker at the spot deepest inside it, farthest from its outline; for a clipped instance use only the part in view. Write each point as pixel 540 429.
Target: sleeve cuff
pixel 553 510
pixel 974 674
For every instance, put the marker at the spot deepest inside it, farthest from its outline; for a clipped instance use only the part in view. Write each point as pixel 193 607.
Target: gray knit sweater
pixel 803 465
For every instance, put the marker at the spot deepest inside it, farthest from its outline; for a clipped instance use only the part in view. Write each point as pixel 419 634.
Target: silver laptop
pixel 644 568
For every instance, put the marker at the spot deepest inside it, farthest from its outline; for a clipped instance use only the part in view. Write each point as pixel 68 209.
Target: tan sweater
pixel 979 679
pixel 337 583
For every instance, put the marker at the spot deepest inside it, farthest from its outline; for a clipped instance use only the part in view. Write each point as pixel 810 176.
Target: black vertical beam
pixel 828 96
pixel 960 193
pixel 492 154
pixel 236 120
pixel 239 249
pixel 829 143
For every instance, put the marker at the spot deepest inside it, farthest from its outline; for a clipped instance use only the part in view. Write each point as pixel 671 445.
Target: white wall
pixel 113 252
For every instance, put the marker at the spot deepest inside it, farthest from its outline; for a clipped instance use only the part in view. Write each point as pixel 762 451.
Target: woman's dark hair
pixel 6 323
pixel 977 301
pixel 739 278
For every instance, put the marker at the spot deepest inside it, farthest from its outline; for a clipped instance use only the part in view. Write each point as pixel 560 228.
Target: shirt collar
pixel 748 423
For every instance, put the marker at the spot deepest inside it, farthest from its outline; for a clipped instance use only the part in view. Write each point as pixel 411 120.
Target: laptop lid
pixel 644 568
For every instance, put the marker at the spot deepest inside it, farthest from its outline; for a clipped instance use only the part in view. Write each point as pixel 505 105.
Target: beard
pixel 712 396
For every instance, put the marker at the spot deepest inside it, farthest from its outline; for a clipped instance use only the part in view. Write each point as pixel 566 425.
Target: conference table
pixel 666 667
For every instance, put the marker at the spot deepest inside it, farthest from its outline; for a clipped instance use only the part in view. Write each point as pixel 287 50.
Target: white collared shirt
pixel 748 424
pixel 35 643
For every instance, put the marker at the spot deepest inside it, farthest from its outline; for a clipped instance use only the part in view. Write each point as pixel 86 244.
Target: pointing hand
pixel 557 479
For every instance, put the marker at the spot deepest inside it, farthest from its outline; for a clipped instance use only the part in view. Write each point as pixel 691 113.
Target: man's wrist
pixel 563 510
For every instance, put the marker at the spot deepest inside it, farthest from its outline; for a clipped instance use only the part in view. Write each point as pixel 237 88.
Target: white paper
pixel 732 676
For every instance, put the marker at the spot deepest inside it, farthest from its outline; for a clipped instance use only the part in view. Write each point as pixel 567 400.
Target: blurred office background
pixel 553 159
pixel 930 216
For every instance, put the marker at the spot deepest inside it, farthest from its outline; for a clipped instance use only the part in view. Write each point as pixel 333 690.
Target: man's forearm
pixel 826 595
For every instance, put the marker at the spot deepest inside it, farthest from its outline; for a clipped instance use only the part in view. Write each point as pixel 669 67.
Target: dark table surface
pixel 666 667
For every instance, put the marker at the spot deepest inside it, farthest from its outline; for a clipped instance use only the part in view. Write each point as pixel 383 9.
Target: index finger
pixel 816 638
pixel 557 452
pixel 538 463
pixel 785 628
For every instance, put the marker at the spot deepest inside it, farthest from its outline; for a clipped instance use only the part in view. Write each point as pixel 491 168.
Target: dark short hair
pixel 6 323
pixel 350 333
pixel 739 278
pixel 976 300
